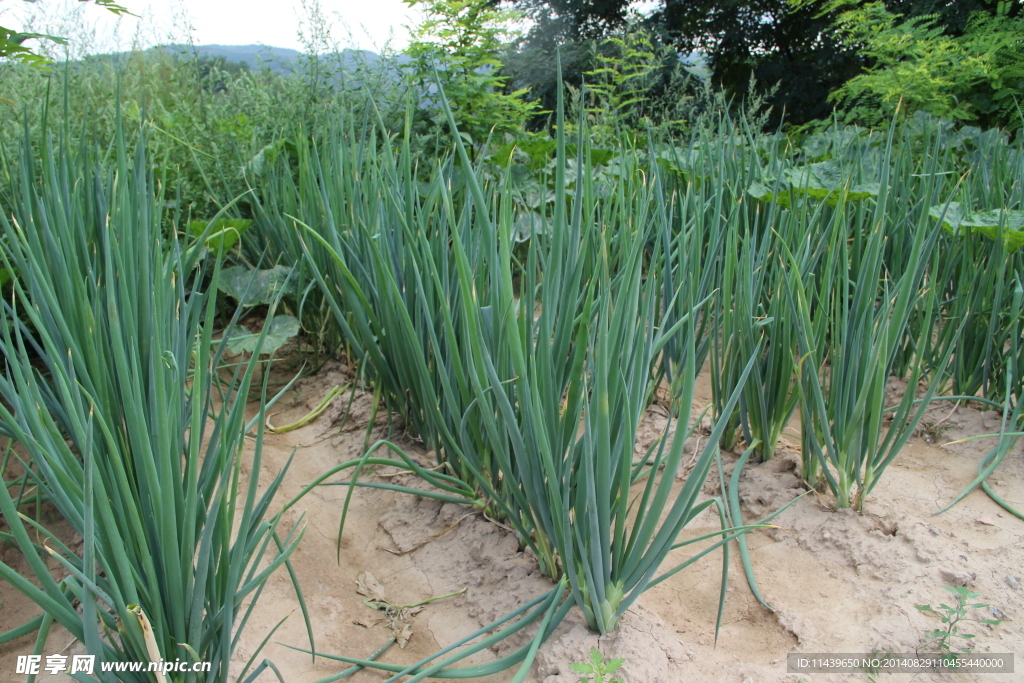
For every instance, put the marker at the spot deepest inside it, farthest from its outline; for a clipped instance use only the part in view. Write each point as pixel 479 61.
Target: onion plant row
pixel 527 365
pixel 120 418
pixel 526 357
pixel 519 319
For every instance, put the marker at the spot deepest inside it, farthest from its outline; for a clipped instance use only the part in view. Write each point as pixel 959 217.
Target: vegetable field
pixel 697 400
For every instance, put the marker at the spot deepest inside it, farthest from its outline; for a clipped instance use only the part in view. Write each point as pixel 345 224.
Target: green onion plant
pixel 108 394
pixel 848 341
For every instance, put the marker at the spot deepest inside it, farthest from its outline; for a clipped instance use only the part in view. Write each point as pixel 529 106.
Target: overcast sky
pixel 366 24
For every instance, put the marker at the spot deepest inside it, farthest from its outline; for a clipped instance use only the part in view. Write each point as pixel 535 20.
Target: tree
pixel 597 43
pixel 459 43
pixel 953 17
pixel 973 73
pixel 768 42
pixel 571 20
pixel 793 44
pixel 12 43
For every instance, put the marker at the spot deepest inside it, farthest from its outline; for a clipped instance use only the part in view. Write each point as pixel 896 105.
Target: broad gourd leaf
pixel 983 220
pixel 686 164
pixel 224 234
pixel 951 215
pixel 503 155
pixel 824 181
pixel 282 328
pixel 535 154
pixel 852 194
pixel 863 191
pixel 532 194
pixel 540 152
pixel 265 157
pixel 527 224
pixel 988 223
pixel 818 180
pixel 817 147
pixel 598 157
pixel 252 288
pixel 766 194
pixel 241 340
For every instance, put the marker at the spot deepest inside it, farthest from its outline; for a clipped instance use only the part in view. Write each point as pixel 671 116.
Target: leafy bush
pixel 976 77
pixel 636 81
pixel 459 46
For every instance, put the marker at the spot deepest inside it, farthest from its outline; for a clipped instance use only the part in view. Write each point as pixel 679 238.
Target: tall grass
pixel 588 356
pixel 500 354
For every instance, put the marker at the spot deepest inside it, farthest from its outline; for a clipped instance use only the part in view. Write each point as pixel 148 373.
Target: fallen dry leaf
pixel 367 585
pixel 366 622
pixel 403 636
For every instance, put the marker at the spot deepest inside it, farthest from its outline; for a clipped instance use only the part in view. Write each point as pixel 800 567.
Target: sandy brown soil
pixel 838 582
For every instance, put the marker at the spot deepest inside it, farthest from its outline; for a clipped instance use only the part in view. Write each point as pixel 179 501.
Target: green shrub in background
pixel 458 46
pixel 976 77
pixel 206 121
pixel 214 124
pixel 636 81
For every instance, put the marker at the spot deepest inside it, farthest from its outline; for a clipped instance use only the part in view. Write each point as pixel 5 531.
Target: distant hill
pixel 256 57
pixel 278 59
pixel 253 56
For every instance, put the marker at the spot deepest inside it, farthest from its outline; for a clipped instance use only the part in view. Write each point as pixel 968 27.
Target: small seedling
pixel 597 668
pixel 950 638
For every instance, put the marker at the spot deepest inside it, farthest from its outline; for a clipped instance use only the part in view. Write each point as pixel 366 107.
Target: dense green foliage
pixel 977 76
pixel 805 54
pixel 113 392
pixel 518 299
pixel 457 47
